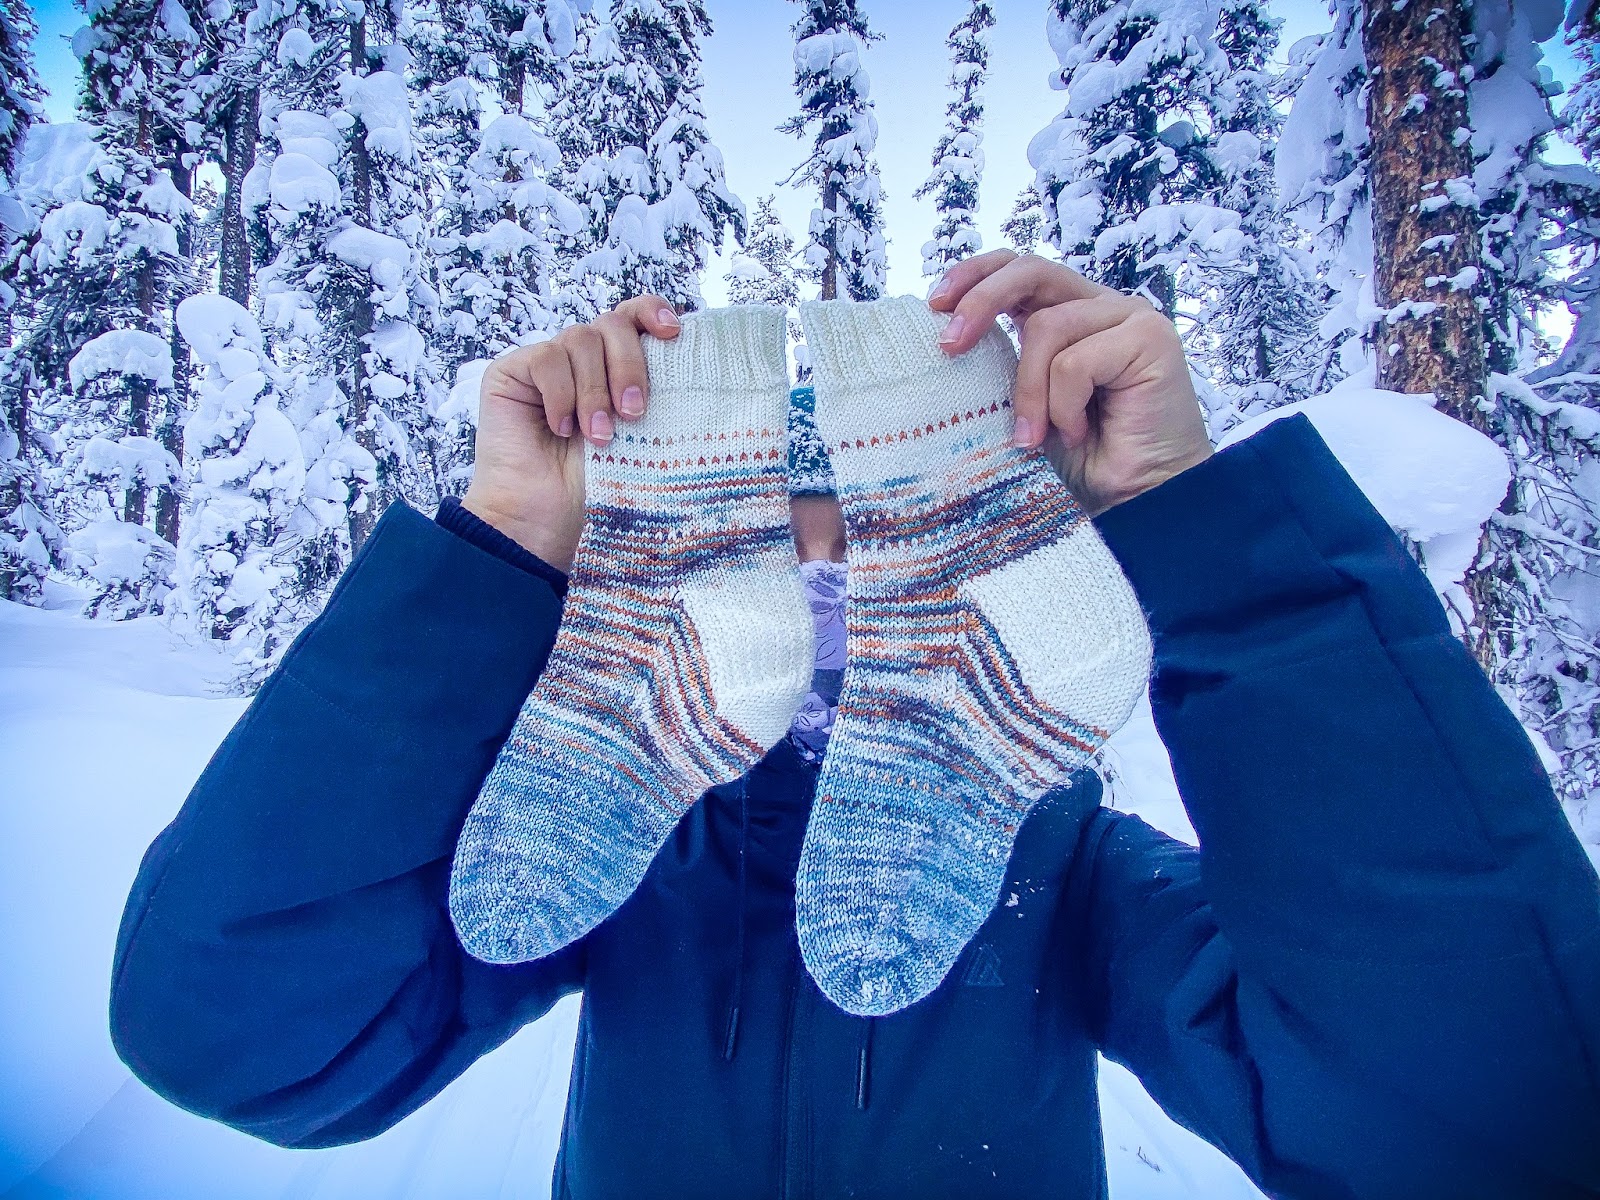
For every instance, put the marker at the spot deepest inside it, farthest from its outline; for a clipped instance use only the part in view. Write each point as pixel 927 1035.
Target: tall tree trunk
pixel 14 407
pixel 171 431
pixel 139 389
pixel 1159 284
pixel 138 426
pixel 361 317
pixel 240 133
pixel 513 80
pixel 1423 239
pixel 830 210
pixel 1425 233
pixel 513 77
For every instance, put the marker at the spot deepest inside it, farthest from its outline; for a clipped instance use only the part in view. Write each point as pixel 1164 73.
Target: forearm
pixel 286 961
pixel 1312 698
pixel 1393 902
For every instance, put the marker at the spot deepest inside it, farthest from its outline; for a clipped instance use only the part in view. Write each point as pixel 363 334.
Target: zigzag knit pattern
pixel 992 645
pixel 685 647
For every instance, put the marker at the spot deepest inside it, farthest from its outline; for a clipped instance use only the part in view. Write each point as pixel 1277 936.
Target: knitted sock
pixel 685 647
pixel 992 645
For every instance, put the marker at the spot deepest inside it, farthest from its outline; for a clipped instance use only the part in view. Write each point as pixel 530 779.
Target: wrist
pixel 1149 478
pixel 552 537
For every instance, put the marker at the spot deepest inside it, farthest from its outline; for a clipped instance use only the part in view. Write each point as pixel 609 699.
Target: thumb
pixel 651 314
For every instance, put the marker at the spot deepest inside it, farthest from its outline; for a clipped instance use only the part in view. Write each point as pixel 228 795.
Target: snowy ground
pixel 103 727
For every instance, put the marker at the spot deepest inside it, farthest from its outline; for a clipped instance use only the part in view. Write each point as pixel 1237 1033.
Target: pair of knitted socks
pixel 992 645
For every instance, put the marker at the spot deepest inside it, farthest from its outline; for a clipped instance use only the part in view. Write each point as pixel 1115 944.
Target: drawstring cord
pixel 863 1060
pixel 732 1038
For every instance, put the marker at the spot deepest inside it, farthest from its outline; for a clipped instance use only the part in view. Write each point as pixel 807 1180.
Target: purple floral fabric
pixel 825 591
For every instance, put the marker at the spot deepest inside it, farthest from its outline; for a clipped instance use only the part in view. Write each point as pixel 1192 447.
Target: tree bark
pixel 513 80
pixel 362 516
pixel 1425 231
pixel 830 266
pixel 1425 240
pixel 171 430
pixel 14 406
pixel 139 389
pixel 240 134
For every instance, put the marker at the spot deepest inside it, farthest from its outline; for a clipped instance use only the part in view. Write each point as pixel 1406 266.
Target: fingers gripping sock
pixel 992 645
pixel 684 650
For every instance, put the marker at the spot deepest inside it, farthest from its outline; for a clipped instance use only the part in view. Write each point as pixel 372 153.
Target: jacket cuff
pixel 1255 537
pixel 465 523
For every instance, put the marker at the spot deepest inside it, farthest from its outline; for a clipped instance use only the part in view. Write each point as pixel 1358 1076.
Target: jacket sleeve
pixel 1380 974
pixel 286 962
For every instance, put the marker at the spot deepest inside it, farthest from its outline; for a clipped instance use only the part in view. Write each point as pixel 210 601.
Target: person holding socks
pixel 1378 975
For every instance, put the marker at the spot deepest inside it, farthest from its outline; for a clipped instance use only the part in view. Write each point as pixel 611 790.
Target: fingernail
pixel 1022 432
pixel 566 426
pixel 600 426
pixel 939 289
pixel 632 401
pixel 952 331
pixel 667 317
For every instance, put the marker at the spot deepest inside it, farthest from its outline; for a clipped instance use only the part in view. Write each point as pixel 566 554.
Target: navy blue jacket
pixel 1379 978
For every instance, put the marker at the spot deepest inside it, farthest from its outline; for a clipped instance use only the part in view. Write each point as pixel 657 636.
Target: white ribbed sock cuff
pixel 862 344
pixel 742 347
pixel 719 401
pixel 880 373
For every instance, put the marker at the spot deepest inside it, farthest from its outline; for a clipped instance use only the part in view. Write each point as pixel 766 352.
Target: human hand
pixel 1102 384
pixel 527 480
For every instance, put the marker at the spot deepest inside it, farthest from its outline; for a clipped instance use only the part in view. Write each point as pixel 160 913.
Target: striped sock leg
pixel 992 645
pixel 685 647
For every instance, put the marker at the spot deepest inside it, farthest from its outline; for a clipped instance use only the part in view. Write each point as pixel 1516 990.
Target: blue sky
pixel 748 74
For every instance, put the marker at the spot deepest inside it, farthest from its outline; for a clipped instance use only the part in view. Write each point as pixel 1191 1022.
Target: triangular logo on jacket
pixel 984 969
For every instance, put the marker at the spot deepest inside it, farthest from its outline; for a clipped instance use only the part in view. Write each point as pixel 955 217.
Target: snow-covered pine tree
pixel 497 222
pixel 1321 166
pixel 244 43
pixel 525 44
pixel 1256 336
pixel 1023 228
pixel 113 412
pixel 451 44
pixel 499 218
pixel 105 469
pixel 25 535
pixel 293 200
pixel 569 120
pixel 1581 114
pixel 447 40
pixel 1580 119
pixel 1523 606
pixel 764 272
pixel 845 250
pixel 240 553
pixel 338 191
pixel 650 180
pixel 207 241
pixel 1540 229
pixel 159 85
pixel 958 158
pixel 1460 268
pixel 21 99
pixel 396 377
pixel 1125 173
pixel 1531 212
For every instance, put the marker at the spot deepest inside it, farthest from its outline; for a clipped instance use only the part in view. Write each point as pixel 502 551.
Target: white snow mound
pixel 1428 474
